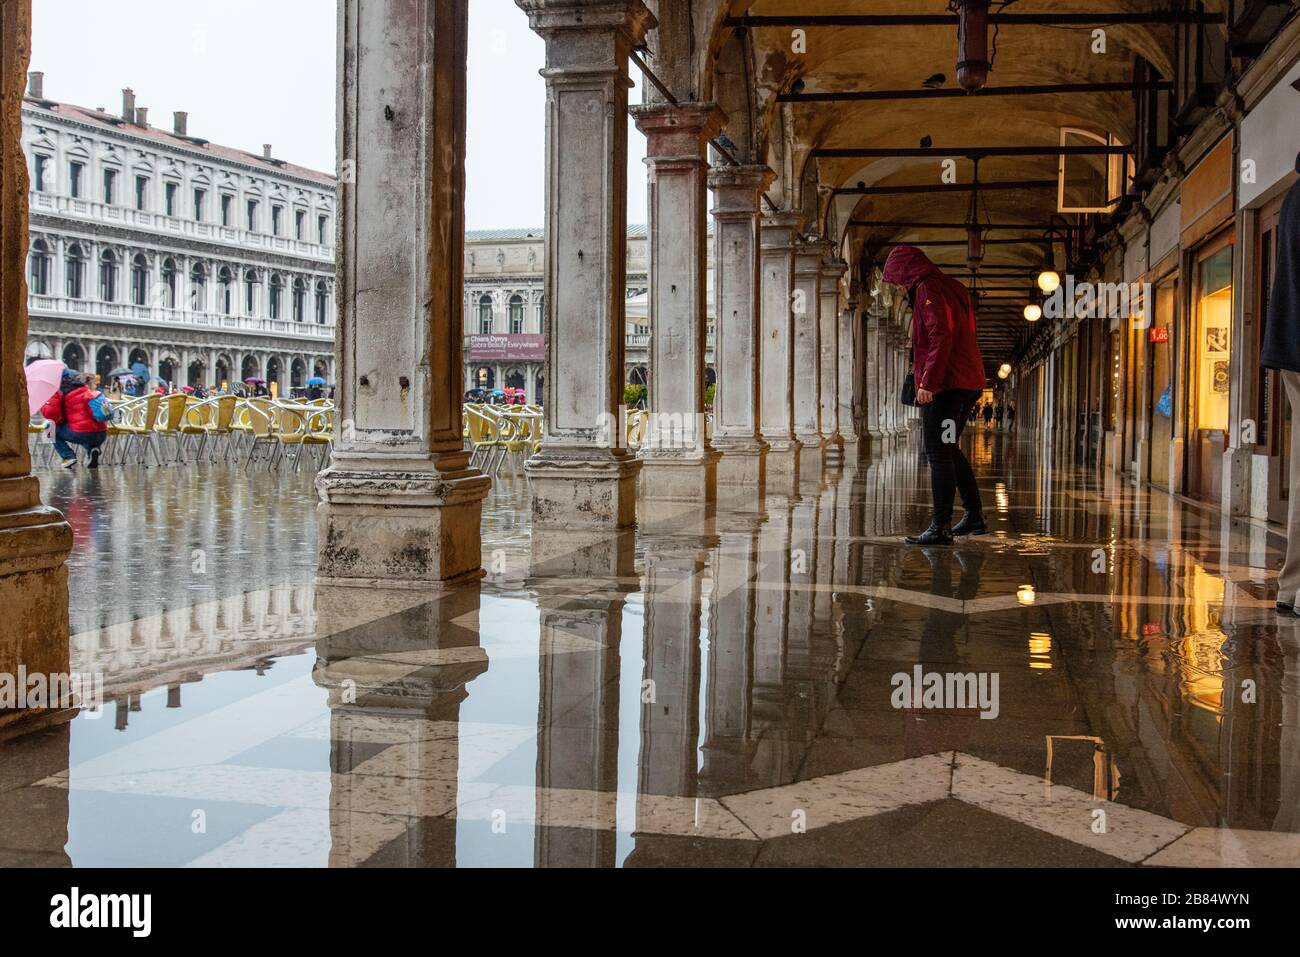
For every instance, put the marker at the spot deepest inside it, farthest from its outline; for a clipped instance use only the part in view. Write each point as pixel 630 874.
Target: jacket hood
pixel 906 266
pixel 1297 162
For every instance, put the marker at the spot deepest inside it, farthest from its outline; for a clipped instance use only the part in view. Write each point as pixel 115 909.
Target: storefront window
pixel 1161 398
pixel 1214 340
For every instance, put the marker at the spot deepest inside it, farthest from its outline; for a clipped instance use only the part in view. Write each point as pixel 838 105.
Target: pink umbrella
pixel 43 379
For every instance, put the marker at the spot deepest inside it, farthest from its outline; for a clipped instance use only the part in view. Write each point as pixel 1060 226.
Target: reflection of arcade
pixel 185 644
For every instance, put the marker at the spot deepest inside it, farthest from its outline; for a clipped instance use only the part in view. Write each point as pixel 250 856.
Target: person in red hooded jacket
pixel 75 424
pixel 949 375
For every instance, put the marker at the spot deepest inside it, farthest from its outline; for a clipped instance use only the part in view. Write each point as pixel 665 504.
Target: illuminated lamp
pixel 1049 281
pixel 1033 312
pixel 1005 371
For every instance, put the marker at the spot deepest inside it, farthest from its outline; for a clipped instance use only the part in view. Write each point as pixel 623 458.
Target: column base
pixel 672 479
pixel 812 455
pixel 399 528
pixel 34 544
pixel 744 462
pixel 583 488
pixel 783 457
pixel 833 449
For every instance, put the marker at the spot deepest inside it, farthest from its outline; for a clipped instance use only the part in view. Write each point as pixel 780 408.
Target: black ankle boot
pixel 934 535
pixel 972 523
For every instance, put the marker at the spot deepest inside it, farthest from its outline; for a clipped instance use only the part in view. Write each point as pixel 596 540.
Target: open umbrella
pixel 43 379
pixel 119 372
pixel 316 380
pixel 254 380
pixel 140 369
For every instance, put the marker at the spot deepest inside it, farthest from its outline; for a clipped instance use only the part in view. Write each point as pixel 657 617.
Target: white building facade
pixel 207 264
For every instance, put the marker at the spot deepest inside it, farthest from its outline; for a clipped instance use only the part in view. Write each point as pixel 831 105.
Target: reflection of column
pixel 679 463
pixel 34 539
pixel 771 622
pixel 777 359
pixel 737 336
pixel 670 706
pixel 728 745
pixel 577 722
pixel 581 477
pixel 828 320
pixel 807 355
pixel 850 393
pixel 400 500
pixel 396 683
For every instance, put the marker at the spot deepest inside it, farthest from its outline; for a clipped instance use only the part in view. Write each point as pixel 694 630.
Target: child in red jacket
pixel 75 422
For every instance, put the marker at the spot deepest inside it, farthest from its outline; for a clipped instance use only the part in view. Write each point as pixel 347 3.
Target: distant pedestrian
pixel 988 416
pixel 80 416
pixel 948 373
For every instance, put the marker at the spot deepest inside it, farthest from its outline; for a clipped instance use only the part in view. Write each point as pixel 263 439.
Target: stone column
pixel 776 404
pixel 400 502
pixel 807 355
pixel 679 462
pixel 737 337
pixel 849 395
pixel 583 476
pixel 874 368
pixel 828 320
pixel 34 539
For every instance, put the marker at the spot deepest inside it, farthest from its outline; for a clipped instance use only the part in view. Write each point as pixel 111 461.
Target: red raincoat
pixel 945 353
pixel 74 409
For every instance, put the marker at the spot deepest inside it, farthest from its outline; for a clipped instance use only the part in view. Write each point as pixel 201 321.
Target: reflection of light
pixel 1048 281
pixel 1003 500
pixel 1033 312
pixel 1040 651
pixel 1025 594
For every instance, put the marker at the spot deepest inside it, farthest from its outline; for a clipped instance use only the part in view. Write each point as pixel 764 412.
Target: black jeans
pixel 943 420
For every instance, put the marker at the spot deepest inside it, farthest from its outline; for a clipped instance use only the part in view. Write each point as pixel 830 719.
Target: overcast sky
pixel 251 72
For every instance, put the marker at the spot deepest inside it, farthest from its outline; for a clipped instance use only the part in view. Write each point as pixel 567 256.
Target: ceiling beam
pixel 864 96
pixel 1098 18
pixel 910 224
pixel 948 187
pixel 941 152
pixel 957 242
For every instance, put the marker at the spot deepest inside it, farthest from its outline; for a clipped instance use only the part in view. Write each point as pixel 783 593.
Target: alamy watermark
pixel 947 691
pixel 24 689
pixel 1101 300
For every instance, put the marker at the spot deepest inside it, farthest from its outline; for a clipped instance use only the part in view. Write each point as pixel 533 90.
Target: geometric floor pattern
pixel 710 690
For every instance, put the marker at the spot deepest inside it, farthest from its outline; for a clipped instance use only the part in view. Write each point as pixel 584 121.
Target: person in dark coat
pixel 949 376
pixel 1281 351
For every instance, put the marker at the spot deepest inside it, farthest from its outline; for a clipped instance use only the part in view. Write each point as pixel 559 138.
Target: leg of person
pixel 94 442
pixel 62 436
pixel 972 522
pixel 940 425
pixel 1288 582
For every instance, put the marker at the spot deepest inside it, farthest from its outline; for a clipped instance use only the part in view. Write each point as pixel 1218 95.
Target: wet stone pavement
pixel 709 690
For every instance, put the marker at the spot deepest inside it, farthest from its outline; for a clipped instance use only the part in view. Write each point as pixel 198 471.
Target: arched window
pixel 198 288
pixel 250 292
pixel 517 315
pixel 40 268
pixel 107 276
pixel 322 302
pixel 277 290
pixel 485 314
pixel 139 279
pixel 299 300
pixel 225 290
pixel 76 262
pixel 169 283
pixel 73 357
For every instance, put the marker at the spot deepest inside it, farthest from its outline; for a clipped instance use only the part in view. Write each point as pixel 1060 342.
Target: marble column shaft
pixel 400 502
pixel 679 463
pixel 738 340
pixel 583 476
pixel 807 350
pixel 34 539
pixel 777 251
pixel 828 319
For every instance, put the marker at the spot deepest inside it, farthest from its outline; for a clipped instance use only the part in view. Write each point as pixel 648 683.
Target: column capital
pixel 808 257
pixel 834 269
pixel 783 221
pixel 632 18
pixel 678 130
pixel 724 179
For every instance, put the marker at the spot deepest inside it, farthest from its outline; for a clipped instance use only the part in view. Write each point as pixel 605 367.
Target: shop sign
pixel 1160 334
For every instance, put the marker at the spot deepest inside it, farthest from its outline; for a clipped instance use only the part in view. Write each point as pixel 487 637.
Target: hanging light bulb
pixel 1049 281
pixel 1005 371
pixel 1033 312
pixel 973 44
